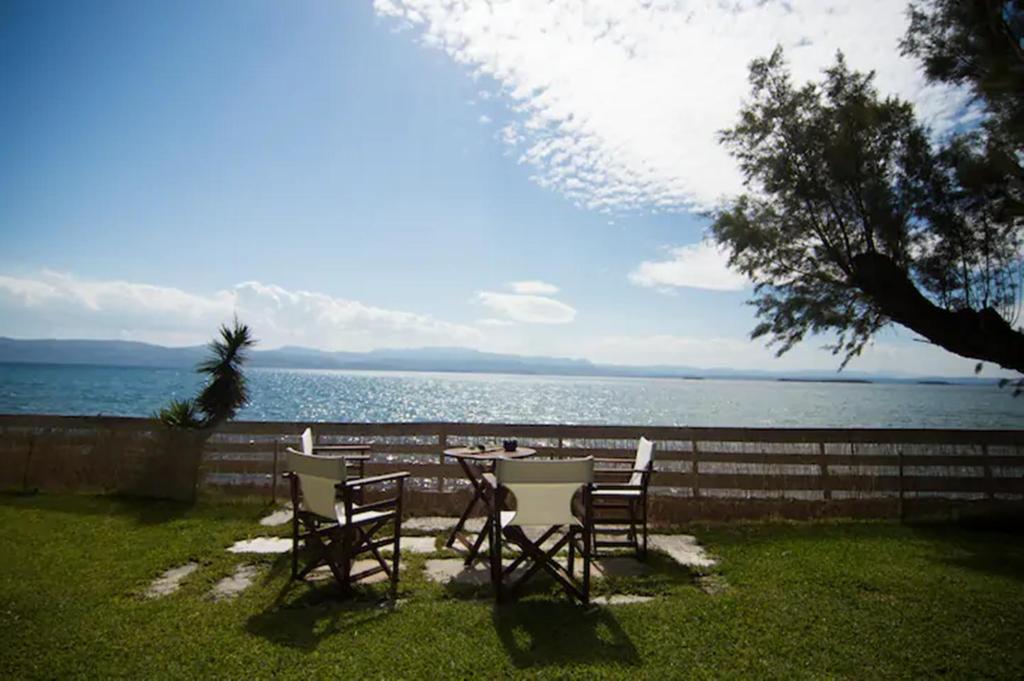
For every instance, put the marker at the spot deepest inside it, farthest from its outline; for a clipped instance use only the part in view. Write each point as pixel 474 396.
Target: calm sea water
pixel 314 395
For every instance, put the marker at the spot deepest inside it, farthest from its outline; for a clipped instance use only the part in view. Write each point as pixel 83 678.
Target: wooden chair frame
pixel 578 538
pixel 618 514
pixel 337 544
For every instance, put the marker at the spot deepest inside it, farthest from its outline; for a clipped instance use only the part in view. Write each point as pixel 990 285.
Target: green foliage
pixel 180 414
pixel 845 186
pixel 225 391
pixel 978 45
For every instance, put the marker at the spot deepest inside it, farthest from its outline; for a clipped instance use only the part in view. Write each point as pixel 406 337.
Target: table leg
pixel 478 490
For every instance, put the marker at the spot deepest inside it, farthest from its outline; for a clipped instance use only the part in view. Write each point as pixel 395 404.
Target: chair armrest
pixel 610 459
pixel 342 448
pixel 374 479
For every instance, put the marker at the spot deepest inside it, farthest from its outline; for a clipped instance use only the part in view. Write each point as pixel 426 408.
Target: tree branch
pixel 979 334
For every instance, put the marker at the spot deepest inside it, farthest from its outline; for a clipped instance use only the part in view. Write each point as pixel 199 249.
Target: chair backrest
pixel 644 460
pixel 318 477
pixel 307 441
pixel 544 489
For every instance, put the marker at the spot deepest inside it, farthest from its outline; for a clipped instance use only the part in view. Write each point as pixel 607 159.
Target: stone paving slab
pixel 170 581
pixel 621 599
pixel 615 567
pixel 262 545
pixel 445 570
pixel 276 518
pixel 231 586
pixel 440 524
pixel 418 544
pixel 682 548
pixel 324 573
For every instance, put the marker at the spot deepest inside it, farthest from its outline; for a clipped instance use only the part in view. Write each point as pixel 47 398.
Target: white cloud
pixel 484 119
pixel 619 102
pixel 701 265
pixel 491 321
pixel 528 308
pixel 533 287
pixel 62 305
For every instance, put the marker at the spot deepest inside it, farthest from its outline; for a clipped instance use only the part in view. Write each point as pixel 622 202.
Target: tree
pixel 978 44
pixel 853 221
pixel 225 392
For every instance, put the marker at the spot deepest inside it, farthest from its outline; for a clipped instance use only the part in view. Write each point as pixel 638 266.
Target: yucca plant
pixel 225 392
pixel 180 414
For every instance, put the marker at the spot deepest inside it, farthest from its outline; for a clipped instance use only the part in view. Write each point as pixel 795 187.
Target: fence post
pixel 826 487
pixel 442 444
pixel 899 459
pixel 694 474
pixel 28 461
pixel 989 484
pixel 273 476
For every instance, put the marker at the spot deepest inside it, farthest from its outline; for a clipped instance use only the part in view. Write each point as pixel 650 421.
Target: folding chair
pixel 544 492
pixel 330 519
pixel 619 507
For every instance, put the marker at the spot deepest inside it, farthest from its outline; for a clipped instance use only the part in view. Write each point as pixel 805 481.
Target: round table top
pixel 489 454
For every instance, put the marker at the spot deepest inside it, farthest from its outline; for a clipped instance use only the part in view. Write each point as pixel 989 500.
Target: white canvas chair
pixel 543 492
pixel 330 519
pixel 620 507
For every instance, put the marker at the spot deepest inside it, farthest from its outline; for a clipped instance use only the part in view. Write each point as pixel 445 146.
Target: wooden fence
pixel 716 473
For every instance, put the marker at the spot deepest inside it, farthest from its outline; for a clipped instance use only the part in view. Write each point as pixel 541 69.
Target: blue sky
pixel 349 175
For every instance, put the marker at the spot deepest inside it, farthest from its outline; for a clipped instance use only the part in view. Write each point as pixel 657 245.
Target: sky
pixel 523 177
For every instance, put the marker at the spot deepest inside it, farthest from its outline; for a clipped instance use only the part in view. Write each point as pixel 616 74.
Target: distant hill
pixel 135 354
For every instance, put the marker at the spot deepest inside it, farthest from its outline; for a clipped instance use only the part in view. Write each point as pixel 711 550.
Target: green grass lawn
pixel 838 599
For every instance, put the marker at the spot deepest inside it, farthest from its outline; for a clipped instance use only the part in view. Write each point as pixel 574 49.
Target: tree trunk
pixel 978 334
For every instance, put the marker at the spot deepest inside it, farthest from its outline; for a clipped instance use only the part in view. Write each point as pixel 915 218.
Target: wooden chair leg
pixel 496 568
pixel 643 521
pixel 395 557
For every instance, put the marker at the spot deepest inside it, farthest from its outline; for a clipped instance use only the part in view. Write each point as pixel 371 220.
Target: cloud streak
pixel 529 309
pixel 540 288
pixel 53 303
pixel 617 104
pixel 703 265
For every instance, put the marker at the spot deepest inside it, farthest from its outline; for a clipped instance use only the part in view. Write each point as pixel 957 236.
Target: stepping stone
pixel 277 518
pixel 441 524
pixel 262 545
pixel 170 580
pixel 621 599
pixel 682 548
pixel 430 524
pixel 447 570
pixel 230 587
pixel 413 545
pixel 418 544
pixel 615 567
pixel 323 573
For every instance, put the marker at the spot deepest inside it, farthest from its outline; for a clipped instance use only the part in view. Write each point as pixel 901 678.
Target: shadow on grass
pixel 140 510
pixel 543 632
pixel 305 613
pixel 982 548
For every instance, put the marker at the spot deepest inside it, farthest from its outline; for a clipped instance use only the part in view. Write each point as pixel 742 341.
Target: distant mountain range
pixel 135 354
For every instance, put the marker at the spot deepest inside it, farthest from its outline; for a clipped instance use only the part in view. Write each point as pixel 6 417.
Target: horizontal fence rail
pixel 699 472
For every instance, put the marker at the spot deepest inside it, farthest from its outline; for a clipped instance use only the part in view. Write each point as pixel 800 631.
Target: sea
pixel 362 396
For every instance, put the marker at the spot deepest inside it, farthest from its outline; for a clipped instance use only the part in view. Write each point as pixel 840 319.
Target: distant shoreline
pixel 554 373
